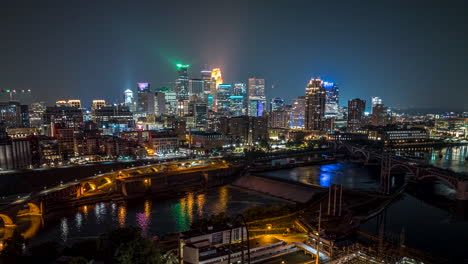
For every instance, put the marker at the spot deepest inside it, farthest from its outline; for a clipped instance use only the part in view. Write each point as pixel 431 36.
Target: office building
pixel 182 81
pixel 379 115
pixel 196 87
pixel 142 87
pixel 356 108
pixel 375 101
pixel 222 98
pixel 332 99
pixel 315 105
pixel 298 112
pixel 276 103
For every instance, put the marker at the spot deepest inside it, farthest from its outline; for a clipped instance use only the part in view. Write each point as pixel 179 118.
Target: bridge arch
pixel 7 221
pixel 30 209
pixel 365 154
pixel 404 166
pixel 87 186
pixel 451 183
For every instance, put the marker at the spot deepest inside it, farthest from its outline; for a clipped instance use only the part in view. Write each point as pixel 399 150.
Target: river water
pixel 425 226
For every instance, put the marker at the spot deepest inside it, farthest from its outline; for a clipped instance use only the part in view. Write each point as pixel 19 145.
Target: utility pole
pixel 318 234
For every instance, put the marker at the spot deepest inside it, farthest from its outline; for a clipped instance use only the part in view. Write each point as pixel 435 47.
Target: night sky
pixel 410 53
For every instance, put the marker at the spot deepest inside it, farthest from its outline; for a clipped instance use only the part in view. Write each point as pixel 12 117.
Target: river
pixel 425 226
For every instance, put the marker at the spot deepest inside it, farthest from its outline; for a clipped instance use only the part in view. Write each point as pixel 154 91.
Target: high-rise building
pixel 96 105
pixel 375 101
pixel 315 105
pixel 332 99
pixel 276 103
pixel 298 112
pixel 36 112
pixel 128 97
pixel 356 108
pixel 10 114
pixel 206 77
pixel 216 80
pixel 379 115
pixel 256 107
pixel 240 89
pixel 196 87
pixel 182 81
pixel 159 103
pixel 256 97
pixel 142 87
pixel 236 104
pixel 256 87
pixel 222 98
pixel 216 77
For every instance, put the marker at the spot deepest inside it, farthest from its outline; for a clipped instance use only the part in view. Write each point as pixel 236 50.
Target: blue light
pixel 328 84
pixel 236 97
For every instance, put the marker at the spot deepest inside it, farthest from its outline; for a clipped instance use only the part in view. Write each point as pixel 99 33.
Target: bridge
pixel 419 171
pixel 101 186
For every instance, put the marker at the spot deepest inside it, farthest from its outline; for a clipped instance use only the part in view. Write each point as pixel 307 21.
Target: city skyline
pixel 405 60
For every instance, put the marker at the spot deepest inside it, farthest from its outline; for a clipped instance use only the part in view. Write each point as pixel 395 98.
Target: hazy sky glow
pixel 410 53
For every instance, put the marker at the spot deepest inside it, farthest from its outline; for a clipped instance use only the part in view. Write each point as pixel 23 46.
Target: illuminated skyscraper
pixel 276 103
pixel 298 112
pixel 375 101
pixel 182 81
pixel 222 98
pixel 332 98
pixel 356 108
pixel 128 97
pixel 256 97
pixel 196 87
pixel 256 87
pixel 315 105
pixel 216 77
pixel 216 80
pixel 142 88
pixel 240 89
pixel 206 77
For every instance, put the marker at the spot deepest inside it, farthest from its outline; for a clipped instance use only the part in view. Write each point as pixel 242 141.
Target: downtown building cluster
pixel 200 115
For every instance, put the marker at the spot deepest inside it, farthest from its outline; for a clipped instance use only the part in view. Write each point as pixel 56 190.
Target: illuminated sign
pixel 179 65
pixel 236 97
pixel 328 84
pixel 143 86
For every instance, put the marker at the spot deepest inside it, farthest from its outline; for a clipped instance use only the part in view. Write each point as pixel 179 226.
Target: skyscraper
pixel 196 87
pixel 128 97
pixel 356 108
pixel 256 97
pixel 206 77
pixel 315 105
pixel 222 98
pixel 182 81
pixel 298 112
pixel 216 80
pixel 256 87
pixel 379 115
pixel 276 103
pixel 332 98
pixel 375 101
pixel 142 88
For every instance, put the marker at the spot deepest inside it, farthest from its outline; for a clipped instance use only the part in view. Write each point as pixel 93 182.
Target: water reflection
pixel 64 229
pixel 154 216
pixel 200 203
pixel 122 215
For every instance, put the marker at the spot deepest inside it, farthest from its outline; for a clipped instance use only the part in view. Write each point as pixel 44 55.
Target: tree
pixel 138 251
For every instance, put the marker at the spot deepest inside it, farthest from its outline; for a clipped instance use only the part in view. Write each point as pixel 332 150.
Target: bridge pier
pixel 462 190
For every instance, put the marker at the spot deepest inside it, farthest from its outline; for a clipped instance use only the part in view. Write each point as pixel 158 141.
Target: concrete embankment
pixel 292 191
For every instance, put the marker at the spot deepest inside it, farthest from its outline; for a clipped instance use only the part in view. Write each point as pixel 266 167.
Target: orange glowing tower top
pixel 216 76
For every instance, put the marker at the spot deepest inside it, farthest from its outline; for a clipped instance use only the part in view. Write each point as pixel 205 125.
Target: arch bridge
pixel 390 164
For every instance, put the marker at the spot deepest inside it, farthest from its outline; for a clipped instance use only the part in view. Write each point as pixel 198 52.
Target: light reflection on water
pixel 153 216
